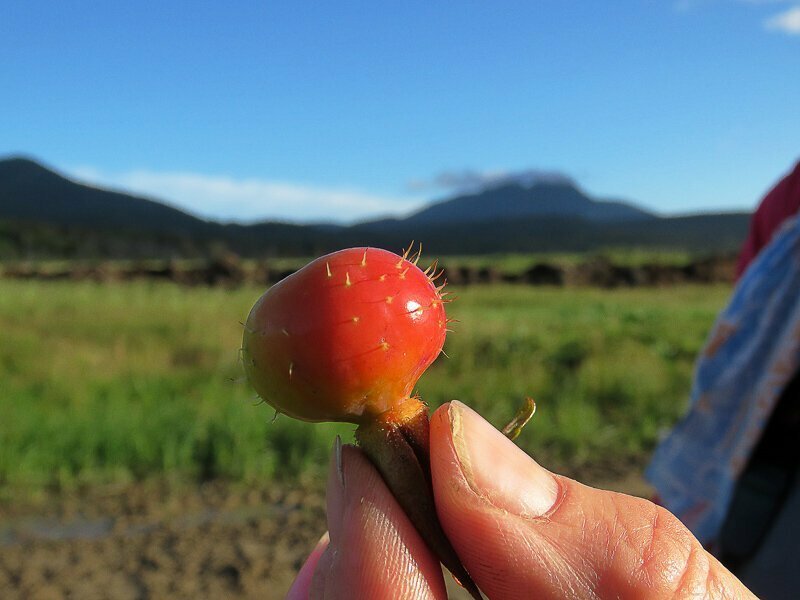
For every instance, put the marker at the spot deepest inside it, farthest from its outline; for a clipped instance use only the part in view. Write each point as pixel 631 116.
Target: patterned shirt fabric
pixel 752 353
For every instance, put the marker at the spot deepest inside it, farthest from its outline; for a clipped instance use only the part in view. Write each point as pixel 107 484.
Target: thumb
pixel 523 532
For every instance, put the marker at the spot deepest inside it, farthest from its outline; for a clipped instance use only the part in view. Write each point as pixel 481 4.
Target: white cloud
pixel 247 200
pixel 785 22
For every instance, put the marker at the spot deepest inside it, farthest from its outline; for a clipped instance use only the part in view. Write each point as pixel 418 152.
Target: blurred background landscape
pixel 584 175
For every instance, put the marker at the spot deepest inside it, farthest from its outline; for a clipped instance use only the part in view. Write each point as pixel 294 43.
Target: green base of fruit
pixel 397 444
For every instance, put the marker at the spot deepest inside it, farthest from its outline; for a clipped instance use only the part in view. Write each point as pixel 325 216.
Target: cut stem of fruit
pixel 398 445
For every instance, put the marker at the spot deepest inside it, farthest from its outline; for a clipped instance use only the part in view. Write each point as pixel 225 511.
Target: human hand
pixel 521 531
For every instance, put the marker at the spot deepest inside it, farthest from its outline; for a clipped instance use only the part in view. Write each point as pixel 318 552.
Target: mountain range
pixel 43 213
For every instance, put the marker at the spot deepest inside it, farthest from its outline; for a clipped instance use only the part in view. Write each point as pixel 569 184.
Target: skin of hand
pixel 521 531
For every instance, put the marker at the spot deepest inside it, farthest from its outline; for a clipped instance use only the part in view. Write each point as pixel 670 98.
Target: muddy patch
pixel 155 540
pixel 147 542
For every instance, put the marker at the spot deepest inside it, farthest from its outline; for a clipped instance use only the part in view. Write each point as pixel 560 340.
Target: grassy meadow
pixel 116 382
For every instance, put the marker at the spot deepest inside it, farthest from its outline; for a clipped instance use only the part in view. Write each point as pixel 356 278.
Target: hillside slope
pixel 30 192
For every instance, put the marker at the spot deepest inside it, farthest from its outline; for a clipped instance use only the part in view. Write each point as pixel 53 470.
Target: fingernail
pixel 336 491
pixel 302 582
pixel 337 452
pixel 496 469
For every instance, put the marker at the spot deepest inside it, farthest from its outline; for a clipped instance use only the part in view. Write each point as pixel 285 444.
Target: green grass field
pixel 110 383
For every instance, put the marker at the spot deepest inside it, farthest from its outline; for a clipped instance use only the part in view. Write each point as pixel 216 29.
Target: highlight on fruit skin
pixel 346 337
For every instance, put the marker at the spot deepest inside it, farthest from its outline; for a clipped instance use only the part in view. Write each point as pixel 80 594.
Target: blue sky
pixel 314 111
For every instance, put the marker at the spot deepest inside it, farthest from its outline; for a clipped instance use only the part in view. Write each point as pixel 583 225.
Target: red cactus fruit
pixel 346 338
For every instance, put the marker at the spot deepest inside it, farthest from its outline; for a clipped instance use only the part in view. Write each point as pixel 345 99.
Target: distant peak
pixel 24 167
pixel 470 181
pixel 19 158
pixel 530 185
pixel 21 161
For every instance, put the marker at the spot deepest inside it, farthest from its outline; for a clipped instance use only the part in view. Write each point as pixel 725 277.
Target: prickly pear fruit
pixel 346 337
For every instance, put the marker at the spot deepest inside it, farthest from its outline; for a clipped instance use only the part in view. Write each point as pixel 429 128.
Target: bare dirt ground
pixel 149 541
